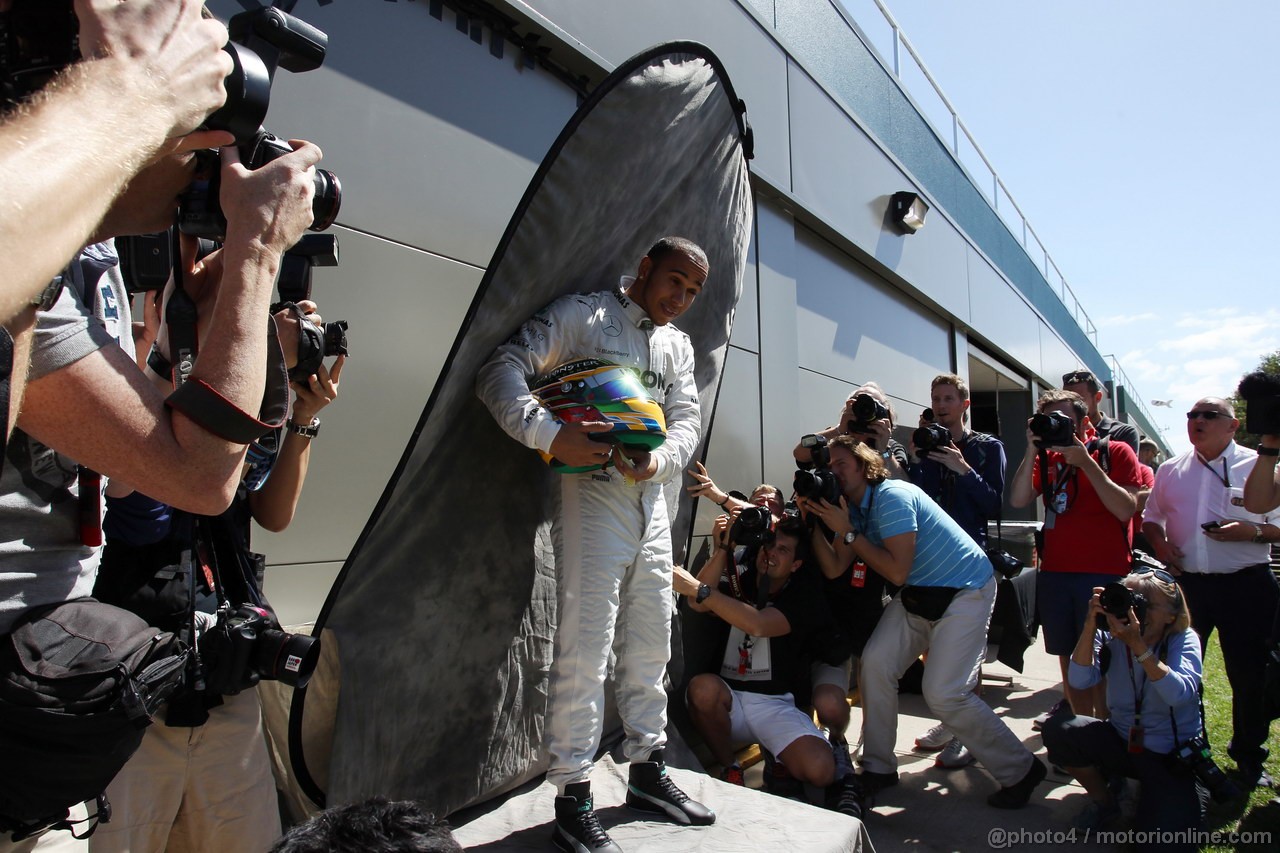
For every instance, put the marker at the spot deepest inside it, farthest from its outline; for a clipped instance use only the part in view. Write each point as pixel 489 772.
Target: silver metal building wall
pixel 435 137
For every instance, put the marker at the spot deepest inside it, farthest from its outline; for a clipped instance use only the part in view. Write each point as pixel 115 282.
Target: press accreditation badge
pixel 746 658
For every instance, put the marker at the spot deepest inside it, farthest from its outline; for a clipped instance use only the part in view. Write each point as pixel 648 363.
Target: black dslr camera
pixel 865 411
pixel 1197 755
pixel 262 40
pixel 1053 429
pixel 817 480
pixel 931 437
pixel 753 526
pixel 1116 599
pixel 247 646
pixel 1261 394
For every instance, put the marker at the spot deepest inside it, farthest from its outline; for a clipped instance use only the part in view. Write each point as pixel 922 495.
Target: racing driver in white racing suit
pixel 612 534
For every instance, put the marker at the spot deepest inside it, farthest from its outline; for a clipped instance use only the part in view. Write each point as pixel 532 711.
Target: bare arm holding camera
pixel 185 465
pixel 155 71
pixel 1262 488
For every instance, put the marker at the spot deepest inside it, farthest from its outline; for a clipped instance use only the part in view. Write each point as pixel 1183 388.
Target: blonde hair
pixel 1148 584
pixel 872 462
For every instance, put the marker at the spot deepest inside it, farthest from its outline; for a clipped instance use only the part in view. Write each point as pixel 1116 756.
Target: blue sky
pixel 1140 140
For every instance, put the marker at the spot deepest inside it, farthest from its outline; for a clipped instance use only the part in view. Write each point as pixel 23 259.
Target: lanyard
pixel 1137 694
pixel 1224 478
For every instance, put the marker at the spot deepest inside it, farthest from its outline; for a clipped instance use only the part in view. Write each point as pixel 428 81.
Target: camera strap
pixel 199 401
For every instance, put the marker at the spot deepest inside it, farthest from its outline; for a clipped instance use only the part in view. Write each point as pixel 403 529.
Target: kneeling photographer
pixel 1138 637
pixel 778 624
pixel 202 779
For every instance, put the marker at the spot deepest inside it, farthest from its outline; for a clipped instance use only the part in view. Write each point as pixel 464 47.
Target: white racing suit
pixel 612 540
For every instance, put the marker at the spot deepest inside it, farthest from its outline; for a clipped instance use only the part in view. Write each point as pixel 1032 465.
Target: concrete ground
pixel 945 810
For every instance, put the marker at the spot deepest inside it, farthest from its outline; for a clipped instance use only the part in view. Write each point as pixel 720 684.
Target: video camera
pixel 1261 394
pixel 1053 429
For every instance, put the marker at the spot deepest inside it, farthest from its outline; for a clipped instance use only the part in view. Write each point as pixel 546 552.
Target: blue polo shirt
pixel 945 555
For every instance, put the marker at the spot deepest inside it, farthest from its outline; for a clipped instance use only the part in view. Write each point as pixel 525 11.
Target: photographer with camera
pixel 778 624
pixel 202 780
pixel 1084 383
pixel 1137 637
pixel 948 593
pixel 868 416
pixel 963 471
pixel 152 71
pixel 1087 485
pixel 1197 522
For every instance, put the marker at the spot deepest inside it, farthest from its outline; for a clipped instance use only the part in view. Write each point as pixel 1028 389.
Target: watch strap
pixel 1142 658
pixel 308 430
pixel 704 592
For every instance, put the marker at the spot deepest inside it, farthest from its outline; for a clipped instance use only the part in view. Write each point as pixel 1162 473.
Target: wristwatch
pixel 850 537
pixel 310 430
pixel 704 592
pixel 1142 658
pixel 1258 535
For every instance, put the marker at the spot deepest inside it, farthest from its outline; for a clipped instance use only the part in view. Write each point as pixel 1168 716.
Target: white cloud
pixel 1195 354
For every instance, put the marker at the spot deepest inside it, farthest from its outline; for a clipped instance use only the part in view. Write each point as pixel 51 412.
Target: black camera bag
pixel 927 602
pixel 79 682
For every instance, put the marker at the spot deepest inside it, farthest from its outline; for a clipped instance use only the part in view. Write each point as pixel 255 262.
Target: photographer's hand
pixel 951 458
pixel 320 389
pixel 720 531
pixel 167 50
pixel 269 208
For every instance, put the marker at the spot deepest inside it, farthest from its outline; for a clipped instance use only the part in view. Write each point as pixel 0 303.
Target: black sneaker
pixel 578 830
pixel 1015 796
pixel 650 789
pixel 846 797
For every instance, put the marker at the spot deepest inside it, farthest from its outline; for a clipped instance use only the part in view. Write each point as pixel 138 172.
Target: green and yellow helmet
pixel 589 389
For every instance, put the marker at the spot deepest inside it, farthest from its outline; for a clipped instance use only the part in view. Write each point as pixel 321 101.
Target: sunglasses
pixel 1073 378
pixel 1208 416
pixel 1160 574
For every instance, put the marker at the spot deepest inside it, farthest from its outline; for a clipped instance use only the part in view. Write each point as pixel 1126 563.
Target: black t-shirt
pixel 856 603
pixel 775 665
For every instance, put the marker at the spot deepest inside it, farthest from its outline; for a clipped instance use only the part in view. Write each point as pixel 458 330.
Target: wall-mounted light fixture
pixel 908 211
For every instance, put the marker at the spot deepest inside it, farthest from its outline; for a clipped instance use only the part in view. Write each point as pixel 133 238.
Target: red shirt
pixel 1148 478
pixel 1086 537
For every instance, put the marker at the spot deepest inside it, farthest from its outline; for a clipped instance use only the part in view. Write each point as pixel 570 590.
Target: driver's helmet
pixel 589 389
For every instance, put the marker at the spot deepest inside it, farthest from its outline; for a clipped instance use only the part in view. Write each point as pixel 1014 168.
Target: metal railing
pixel 953 132
pixel 1133 400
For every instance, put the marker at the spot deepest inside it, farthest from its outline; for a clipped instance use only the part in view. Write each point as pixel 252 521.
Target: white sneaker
pixel 934 739
pixel 955 755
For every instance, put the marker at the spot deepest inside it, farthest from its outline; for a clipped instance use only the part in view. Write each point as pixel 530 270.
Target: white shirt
pixel 1191 490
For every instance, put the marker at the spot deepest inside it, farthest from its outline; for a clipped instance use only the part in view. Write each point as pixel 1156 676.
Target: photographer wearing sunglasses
pixel 1198 525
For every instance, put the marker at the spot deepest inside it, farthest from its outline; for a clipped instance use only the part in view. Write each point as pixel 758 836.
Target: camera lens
pixel 328 200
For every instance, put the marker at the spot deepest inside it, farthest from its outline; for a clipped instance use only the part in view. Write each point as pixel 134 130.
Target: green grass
pixel 1251 814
